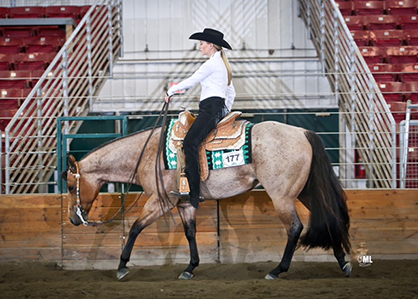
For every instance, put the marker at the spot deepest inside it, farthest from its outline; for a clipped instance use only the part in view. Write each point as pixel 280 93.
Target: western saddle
pixel 228 135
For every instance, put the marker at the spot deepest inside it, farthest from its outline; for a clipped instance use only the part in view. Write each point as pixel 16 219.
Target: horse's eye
pixel 71 188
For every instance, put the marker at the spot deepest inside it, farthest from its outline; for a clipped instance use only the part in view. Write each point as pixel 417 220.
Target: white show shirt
pixel 213 77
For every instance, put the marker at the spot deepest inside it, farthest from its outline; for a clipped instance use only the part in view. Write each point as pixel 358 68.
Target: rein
pixel 164 200
pixel 80 212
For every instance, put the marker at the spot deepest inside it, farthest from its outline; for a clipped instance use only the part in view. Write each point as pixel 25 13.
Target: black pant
pixel 211 111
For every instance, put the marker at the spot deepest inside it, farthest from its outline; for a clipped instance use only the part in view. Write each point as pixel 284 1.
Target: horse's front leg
pixel 339 254
pixel 150 213
pixel 188 216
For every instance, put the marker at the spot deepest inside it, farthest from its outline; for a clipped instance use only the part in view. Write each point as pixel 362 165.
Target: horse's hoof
pixel 271 277
pixel 122 273
pixel 347 269
pixel 186 275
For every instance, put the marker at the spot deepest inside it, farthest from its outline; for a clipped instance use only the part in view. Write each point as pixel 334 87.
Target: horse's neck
pixel 116 161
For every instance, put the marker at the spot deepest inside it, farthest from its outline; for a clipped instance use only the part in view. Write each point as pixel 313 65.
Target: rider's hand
pixel 167 98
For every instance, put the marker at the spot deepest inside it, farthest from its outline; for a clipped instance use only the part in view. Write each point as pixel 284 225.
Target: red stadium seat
pixel 84 9
pixel 30 65
pixel 35 76
pixel 103 9
pixel 386 38
pixel 408 72
pixel 392 91
pixel 373 55
pixel 9 103
pixel 20 12
pixel 385 77
pixel 345 7
pixel 411 37
pixel 411 87
pixel 385 67
pixel 11 45
pixel 355 22
pixel 401 7
pixel 383 72
pixel 404 91
pixel 361 37
pixel 404 54
pixel 391 87
pixel 32 61
pixel 47 44
pixel 12 98
pixel 5 62
pixel 14 79
pixel 50 31
pixel 413 97
pixel 411 91
pixel 14 93
pixel 408 67
pixel 409 77
pixel 62 12
pixel 18 31
pixel 369 7
pixel 408 21
pixel 398 109
pixel 6 115
pixel 381 22
pixel 4 66
pixel 393 97
pixel 4 12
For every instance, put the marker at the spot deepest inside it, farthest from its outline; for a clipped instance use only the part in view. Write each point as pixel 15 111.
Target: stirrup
pixel 183 196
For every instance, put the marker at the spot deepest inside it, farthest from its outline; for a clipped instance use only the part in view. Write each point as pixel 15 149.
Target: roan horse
pixel 289 162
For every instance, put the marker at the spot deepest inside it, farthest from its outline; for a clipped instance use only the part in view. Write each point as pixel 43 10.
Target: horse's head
pixel 81 193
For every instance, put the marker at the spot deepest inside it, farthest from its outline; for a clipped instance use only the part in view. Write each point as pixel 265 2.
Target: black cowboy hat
pixel 212 36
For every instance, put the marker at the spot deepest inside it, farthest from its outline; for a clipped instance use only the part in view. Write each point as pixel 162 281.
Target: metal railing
pixel 408 134
pixel 1 162
pixel 67 88
pixel 365 113
pixel 63 138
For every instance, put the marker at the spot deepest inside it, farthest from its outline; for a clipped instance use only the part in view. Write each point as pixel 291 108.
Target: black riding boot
pixel 211 111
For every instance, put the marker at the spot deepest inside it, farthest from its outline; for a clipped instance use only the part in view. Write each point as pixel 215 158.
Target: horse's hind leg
pixel 188 216
pixel 294 228
pixel 150 213
pixel 339 253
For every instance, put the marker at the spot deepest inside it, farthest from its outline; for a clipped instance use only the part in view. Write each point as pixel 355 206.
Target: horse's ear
pixel 72 164
pixel 64 175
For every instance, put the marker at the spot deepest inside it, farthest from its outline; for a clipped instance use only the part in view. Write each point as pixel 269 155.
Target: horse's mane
pixel 115 140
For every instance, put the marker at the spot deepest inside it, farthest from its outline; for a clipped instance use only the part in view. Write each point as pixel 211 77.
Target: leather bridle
pixel 80 211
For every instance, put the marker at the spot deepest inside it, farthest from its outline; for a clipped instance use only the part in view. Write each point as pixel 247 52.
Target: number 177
pixel 232 158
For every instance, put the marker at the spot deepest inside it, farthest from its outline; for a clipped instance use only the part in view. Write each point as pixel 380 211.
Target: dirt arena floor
pixel 382 279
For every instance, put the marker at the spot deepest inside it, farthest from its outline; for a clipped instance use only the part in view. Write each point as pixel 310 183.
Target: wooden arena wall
pixel 245 228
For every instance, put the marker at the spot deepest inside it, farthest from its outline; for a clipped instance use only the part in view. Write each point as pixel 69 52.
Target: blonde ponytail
pixel 227 65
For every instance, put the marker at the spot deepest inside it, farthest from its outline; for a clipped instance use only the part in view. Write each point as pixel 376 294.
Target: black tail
pixel 326 199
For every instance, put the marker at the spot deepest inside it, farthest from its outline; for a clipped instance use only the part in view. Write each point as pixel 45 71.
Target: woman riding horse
pixel 216 101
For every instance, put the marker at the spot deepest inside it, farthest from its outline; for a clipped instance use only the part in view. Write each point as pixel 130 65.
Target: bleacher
pixel 386 32
pixel 27 46
pixel 30 38
pixel 54 62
